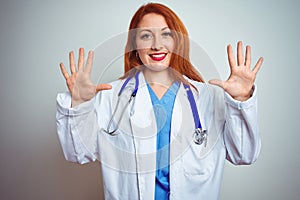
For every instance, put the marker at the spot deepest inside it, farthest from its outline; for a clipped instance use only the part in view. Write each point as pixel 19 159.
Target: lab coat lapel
pixel 142 118
pixel 143 125
pixel 182 126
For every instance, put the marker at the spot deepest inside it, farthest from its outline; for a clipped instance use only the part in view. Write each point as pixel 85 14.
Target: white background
pixel 36 35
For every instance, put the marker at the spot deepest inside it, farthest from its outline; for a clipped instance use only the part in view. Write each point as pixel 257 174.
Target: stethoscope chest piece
pixel 200 136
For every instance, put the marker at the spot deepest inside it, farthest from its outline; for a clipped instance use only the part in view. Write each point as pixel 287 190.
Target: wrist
pixel 246 96
pixel 75 103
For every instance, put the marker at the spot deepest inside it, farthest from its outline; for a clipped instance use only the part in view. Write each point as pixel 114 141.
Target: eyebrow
pixel 149 30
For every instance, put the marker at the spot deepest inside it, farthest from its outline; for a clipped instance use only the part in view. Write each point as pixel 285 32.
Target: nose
pixel 156 43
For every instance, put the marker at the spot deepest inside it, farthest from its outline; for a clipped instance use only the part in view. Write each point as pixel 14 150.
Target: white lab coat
pixel 128 159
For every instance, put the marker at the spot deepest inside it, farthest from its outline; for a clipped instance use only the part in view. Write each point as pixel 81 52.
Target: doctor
pixel 142 126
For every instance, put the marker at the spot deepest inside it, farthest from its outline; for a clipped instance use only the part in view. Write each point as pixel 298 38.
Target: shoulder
pixel 109 93
pixel 208 92
pixel 203 87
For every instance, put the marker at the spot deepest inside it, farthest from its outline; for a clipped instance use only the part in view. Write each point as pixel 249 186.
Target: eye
pixel 146 36
pixel 167 34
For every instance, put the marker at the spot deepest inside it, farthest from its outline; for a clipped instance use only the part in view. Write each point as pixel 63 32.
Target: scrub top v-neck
pixel 163 109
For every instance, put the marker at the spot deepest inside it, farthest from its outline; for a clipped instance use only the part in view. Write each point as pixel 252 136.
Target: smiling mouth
pixel 158 56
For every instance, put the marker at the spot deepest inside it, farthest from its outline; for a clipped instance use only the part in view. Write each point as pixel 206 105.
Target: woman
pixel 172 139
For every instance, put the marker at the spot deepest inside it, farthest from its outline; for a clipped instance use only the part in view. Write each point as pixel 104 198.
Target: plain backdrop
pixel 36 35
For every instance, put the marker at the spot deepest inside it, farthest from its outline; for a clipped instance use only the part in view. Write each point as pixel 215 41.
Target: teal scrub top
pixel 163 109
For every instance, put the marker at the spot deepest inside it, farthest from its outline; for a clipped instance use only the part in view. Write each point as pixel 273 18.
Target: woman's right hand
pixel 79 82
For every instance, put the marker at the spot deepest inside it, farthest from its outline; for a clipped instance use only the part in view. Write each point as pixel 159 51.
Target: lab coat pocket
pixel 196 167
pixel 197 174
pixel 197 170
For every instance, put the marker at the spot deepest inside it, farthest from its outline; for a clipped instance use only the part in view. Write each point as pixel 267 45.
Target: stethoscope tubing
pixel 199 135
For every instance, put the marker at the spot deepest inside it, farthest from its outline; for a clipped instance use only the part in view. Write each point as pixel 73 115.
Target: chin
pixel 157 67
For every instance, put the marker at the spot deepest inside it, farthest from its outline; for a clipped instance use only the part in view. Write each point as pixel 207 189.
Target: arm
pixel 76 117
pixel 241 134
pixel 77 129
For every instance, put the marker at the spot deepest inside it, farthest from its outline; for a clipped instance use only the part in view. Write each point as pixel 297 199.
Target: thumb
pixel 217 82
pixel 100 87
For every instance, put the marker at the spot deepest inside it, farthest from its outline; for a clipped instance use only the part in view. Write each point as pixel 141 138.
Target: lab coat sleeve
pixel 241 134
pixel 77 129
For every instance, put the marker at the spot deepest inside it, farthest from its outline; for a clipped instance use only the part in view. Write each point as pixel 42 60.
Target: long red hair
pixel 180 60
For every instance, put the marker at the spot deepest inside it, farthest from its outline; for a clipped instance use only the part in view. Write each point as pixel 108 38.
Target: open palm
pixel 241 79
pixel 79 82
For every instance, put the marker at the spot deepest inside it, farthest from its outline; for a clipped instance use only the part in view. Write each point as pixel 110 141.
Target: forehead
pixel 152 20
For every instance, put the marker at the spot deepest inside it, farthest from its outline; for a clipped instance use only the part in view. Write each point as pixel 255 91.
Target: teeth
pixel 158 55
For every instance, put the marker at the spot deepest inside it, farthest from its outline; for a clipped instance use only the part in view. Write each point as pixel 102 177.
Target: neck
pixel 162 78
pixel 160 81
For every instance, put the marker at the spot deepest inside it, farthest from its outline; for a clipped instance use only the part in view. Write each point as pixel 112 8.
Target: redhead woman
pixel 159 131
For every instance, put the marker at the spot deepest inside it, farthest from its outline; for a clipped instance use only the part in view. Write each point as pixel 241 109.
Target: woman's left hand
pixel 241 80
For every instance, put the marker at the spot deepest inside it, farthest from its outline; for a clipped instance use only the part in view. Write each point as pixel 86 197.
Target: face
pixel 154 42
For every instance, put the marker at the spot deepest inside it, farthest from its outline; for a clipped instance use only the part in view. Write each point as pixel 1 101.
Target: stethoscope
pixel 199 135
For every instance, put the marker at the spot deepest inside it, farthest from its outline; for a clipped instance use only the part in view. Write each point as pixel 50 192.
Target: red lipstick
pixel 158 56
